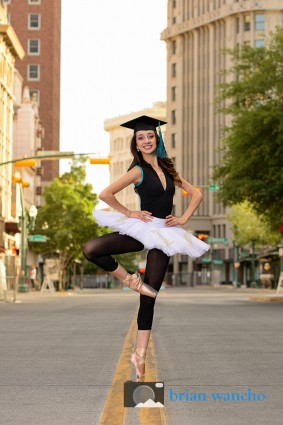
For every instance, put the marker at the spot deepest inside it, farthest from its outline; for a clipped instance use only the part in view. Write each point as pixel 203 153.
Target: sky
pixel 112 63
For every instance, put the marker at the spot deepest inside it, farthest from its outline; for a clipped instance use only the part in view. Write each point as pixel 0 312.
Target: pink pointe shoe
pixel 138 358
pixel 134 282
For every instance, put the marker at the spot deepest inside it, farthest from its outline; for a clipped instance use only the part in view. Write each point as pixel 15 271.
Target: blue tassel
pixel 160 151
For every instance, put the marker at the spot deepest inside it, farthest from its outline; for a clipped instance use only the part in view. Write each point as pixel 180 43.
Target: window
pixel 173 140
pixel 174 4
pixel 33 72
pixel 174 20
pixel 33 47
pixel 35 95
pixel 174 93
pixel 173 116
pixel 34 1
pixel 259 22
pixel 247 23
pixel 174 47
pixel 237 25
pixel 224 230
pixel 7 1
pixel 174 70
pixel 259 43
pixel 33 21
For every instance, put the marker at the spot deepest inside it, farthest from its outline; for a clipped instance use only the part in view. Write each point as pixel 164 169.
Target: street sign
pixel 37 238
pixel 206 260
pixel 217 240
pixel 217 261
pixel 213 187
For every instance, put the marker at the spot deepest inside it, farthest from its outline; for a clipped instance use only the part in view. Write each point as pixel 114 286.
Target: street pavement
pixel 218 350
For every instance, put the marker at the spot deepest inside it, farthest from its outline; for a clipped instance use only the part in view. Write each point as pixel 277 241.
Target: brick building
pixel 38 26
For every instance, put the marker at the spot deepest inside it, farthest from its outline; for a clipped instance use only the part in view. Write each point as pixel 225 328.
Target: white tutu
pixel 154 233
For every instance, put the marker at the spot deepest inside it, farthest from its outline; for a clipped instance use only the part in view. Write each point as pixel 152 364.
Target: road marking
pixel 156 416
pixel 114 412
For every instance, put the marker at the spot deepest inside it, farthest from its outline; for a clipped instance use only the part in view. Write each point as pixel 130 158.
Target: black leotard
pixel 153 197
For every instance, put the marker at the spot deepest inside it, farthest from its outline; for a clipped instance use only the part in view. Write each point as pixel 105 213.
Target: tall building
pixel 196 33
pixel 38 25
pixel 10 50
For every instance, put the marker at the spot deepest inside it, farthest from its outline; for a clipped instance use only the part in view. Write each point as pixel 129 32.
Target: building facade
pixel 38 25
pixel 196 34
pixel 10 50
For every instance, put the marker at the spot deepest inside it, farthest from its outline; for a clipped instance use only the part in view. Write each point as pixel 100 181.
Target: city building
pixel 10 50
pixel 38 25
pixel 196 34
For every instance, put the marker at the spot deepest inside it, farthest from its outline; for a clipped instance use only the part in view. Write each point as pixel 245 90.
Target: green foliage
pixel 248 226
pixel 66 219
pixel 252 148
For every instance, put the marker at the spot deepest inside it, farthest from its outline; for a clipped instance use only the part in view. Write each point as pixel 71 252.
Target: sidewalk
pixel 252 294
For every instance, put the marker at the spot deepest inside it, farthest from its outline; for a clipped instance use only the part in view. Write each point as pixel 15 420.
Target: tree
pixel 252 146
pixel 248 226
pixel 66 218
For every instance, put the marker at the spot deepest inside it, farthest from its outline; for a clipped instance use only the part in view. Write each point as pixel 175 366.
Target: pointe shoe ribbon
pixel 134 282
pixel 136 363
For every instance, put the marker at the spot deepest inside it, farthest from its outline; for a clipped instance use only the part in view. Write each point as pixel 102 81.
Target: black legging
pixel 99 252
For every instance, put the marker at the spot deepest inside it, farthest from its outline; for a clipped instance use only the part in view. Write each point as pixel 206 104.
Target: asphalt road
pixel 64 358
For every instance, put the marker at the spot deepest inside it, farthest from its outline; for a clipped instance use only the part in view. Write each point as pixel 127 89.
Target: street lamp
pixel 253 282
pixel 236 265
pixel 25 224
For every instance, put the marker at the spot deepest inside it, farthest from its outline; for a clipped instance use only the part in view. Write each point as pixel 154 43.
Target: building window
pixel 33 72
pixel 173 115
pixel 174 4
pixel 259 43
pixel 174 20
pixel 173 140
pixel 174 70
pixel 34 1
pixel 33 47
pixel 174 93
pixel 247 23
pixel 237 25
pixel 34 21
pixel 174 47
pixel 35 95
pixel 7 1
pixel 259 22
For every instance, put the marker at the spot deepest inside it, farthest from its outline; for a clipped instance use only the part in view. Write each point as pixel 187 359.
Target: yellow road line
pixel 150 416
pixel 114 412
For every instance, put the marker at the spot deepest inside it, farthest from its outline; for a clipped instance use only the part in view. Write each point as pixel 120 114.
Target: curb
pixel 265 299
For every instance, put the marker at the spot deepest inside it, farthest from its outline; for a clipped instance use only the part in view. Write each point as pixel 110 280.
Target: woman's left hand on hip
pixel 174 221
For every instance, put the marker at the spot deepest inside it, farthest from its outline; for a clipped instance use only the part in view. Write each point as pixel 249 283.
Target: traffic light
pixel 26 163
pixel 100 160
pixel 202 236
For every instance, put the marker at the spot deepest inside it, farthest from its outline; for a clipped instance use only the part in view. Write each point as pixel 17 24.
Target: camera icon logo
pixel 143 394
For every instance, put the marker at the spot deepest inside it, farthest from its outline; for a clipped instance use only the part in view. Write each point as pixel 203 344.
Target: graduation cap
pixel 148 123
pixel 143 123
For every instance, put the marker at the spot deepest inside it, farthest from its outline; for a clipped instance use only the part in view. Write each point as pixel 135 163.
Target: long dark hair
pixel 165 163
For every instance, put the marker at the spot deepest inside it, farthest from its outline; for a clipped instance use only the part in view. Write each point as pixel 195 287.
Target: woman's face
pixel 146 141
